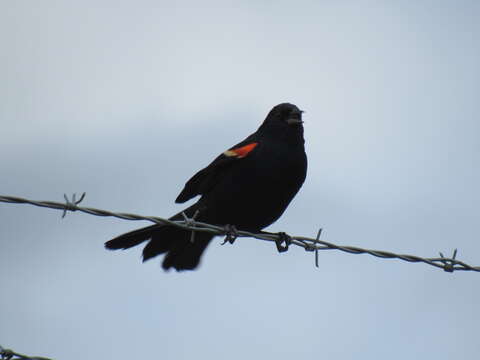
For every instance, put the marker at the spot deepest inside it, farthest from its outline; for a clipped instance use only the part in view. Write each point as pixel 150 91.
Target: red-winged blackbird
pixel 248 186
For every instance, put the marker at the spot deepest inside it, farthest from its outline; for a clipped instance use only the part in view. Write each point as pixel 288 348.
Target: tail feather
pixel 132 238
pixel 181 252
pixel 185 260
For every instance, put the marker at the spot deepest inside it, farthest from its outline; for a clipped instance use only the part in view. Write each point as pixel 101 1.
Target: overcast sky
pixel 127 100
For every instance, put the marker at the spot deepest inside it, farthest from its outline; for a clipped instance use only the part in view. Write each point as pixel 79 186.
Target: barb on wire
pixel 309 244
pixel 7 354
pixel 71 205
pixel 316 249
pixel 191 222
pixel 448 264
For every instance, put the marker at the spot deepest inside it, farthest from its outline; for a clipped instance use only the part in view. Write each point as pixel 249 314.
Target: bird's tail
pixel 181 252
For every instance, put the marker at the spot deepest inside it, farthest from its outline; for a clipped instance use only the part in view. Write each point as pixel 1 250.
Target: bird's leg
pixel 231 234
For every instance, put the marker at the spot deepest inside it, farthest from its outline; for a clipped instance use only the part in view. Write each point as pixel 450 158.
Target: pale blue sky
pixel 126 100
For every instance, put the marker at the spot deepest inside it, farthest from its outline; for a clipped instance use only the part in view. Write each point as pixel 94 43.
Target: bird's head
pixel 284 120
pixel 287 113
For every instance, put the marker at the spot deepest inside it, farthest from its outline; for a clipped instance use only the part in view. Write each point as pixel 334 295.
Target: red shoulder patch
pixel 240 152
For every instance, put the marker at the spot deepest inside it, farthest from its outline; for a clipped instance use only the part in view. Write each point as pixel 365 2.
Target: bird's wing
pixel 205 179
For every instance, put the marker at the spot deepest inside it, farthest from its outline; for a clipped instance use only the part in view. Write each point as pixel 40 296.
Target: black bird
pixel 248 186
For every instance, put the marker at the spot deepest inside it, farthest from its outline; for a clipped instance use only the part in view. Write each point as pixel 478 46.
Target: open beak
pixel 295 118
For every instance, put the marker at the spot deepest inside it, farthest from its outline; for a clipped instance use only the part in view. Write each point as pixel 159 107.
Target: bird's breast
pixel 258 190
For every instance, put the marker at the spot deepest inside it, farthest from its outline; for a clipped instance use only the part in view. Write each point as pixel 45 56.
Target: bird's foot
pixel 231 234
pixel 283 238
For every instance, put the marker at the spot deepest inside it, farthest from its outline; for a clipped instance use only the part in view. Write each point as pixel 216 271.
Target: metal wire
pixel 309 244
pixel 7 354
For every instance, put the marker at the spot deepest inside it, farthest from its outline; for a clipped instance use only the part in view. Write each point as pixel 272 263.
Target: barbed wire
pixel 309 244
pixel 7 354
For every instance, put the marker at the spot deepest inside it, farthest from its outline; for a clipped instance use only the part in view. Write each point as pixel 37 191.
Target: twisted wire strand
pixel 8 354
pixel 309 244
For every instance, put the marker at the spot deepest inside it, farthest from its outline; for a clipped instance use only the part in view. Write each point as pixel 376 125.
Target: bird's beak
pixel 294 121
pixel 295 118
